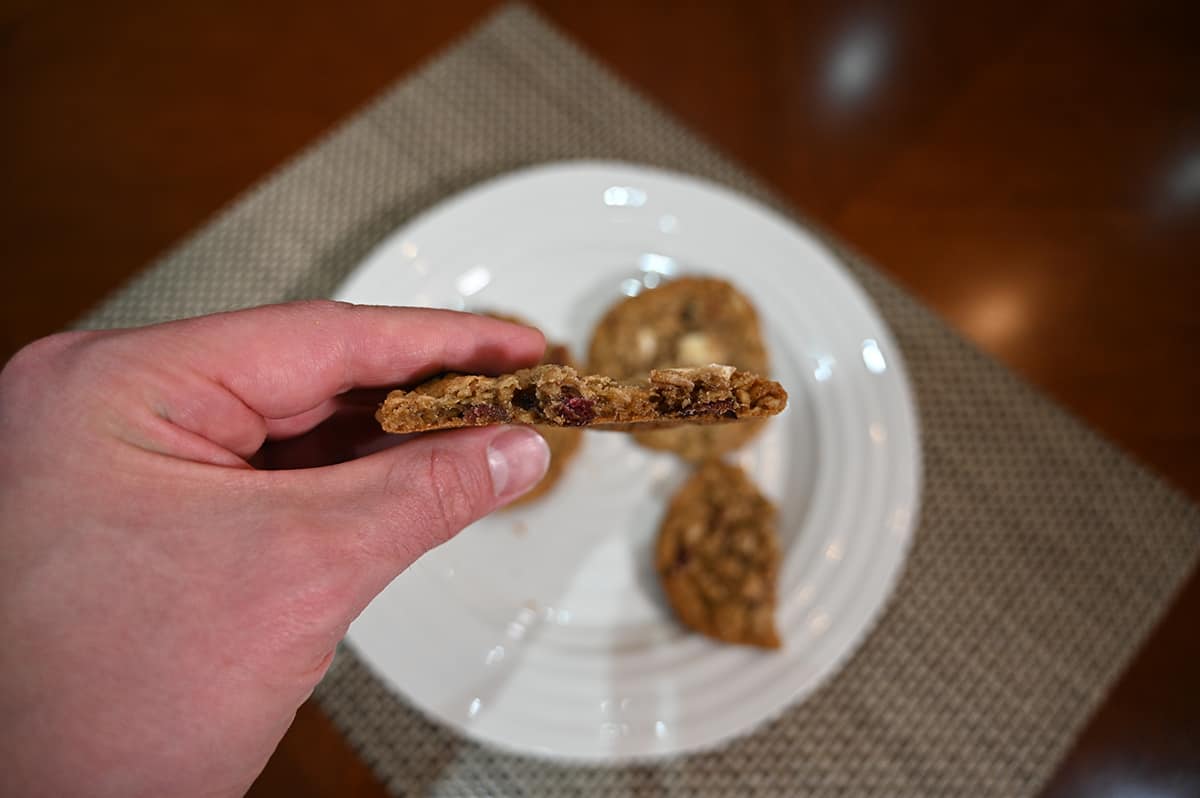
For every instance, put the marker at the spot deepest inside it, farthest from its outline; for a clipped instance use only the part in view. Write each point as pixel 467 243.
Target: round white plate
pixel 543 629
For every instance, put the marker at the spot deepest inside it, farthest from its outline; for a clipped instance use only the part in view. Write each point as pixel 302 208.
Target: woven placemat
pixel 1043 557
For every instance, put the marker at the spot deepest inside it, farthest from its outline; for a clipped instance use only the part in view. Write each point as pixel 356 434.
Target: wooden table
pixel 1030 170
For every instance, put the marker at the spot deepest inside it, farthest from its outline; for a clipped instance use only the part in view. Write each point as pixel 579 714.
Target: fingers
pixel 362 402
pixel 235 378
pixel 348 434
pixel 300 423
pixel 389 508
pixel 283 360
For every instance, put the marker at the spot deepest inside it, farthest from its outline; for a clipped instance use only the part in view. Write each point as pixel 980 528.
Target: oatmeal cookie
pixel 687 322
pixel 718 557
pixel 559 396
pixel 563 441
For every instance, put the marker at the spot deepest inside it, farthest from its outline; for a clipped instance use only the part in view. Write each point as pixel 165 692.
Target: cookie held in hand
pixel 559 396
pixel 563 441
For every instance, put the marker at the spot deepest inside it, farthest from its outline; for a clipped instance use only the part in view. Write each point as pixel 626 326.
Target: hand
pixel 164 607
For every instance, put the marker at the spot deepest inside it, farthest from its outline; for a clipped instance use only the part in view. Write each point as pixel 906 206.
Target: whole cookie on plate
pixel 718 557
pixel 563 441
pixel 689 321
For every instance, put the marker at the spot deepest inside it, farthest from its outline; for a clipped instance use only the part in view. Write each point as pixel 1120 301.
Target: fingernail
pixel 517 459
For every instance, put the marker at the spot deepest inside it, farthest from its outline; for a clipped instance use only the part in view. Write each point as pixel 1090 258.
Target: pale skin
pixel 165 607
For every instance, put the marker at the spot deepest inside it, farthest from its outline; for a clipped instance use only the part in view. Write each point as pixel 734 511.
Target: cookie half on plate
pixel 718 557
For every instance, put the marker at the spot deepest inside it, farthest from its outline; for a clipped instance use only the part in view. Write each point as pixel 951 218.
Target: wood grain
pixel 1031 171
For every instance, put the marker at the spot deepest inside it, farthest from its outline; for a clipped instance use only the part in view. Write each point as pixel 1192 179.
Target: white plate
pixel 543 630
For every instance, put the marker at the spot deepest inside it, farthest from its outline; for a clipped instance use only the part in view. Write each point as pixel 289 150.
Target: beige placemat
pixel 1043 557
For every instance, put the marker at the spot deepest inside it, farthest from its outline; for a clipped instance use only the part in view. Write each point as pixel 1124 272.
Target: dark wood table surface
pixel 1030 170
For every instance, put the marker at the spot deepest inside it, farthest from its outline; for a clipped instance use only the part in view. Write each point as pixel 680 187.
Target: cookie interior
pixel 560 396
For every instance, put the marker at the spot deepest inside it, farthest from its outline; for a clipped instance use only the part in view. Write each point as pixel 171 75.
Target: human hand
pixel 164 607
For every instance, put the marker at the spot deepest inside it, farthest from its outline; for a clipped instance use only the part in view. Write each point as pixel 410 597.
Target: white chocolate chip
pixel 698 349
pixel 647 343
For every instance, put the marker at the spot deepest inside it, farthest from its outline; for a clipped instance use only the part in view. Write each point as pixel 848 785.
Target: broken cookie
pixel 559 396
pixel 563 441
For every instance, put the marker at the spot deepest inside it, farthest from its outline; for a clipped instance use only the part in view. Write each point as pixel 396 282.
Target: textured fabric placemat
pixel 1043 557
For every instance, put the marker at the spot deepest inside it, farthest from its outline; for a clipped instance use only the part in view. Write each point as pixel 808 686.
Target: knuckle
pixel 454 489
pixel 42 352
pixel 420 501
pixel 32 366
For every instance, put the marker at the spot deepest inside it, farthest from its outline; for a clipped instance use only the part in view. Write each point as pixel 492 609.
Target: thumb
pixel 391 507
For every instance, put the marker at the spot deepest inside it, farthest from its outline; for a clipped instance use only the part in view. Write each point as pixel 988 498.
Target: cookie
pixel 687 322
pixel 718 557
pixel 563 441
pixel 559 396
